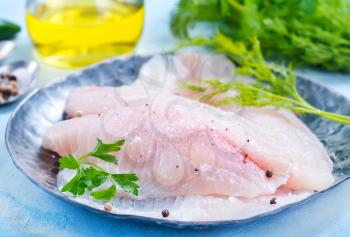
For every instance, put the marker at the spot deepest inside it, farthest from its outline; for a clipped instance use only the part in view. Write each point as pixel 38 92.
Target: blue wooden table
pixel 25 210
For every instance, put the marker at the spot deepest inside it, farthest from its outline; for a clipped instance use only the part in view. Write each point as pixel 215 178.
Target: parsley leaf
pixel 105 194
pixel 68 162
pixel 76 185
pixel 95 177
pixel 106 157
pixel 127 182
pixel 102 149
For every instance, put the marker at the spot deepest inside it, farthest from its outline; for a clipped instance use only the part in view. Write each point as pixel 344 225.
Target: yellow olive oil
pixel 74 36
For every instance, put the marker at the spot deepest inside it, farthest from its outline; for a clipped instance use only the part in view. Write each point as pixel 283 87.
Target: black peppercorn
pixel 165 213
pixel 268 173
pixel 273 201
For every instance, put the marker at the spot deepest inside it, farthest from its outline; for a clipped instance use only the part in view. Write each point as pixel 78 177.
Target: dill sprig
pixel 273 86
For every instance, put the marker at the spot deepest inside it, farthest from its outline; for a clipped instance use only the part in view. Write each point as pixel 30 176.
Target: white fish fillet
pixel 173 148
pixel 278 140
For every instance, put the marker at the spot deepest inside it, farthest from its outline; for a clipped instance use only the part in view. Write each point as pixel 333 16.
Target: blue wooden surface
pixel 25 210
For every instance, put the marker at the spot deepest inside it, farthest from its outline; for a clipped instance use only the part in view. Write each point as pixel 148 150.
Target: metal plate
pixel 45 107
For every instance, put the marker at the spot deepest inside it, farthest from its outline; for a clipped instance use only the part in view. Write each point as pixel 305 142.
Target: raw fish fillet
pixel 151 82
pixel 279 141
pixel 199 162
pixel 178 147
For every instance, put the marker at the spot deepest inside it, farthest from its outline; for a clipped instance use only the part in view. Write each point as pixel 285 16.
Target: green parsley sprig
pixel 90 176
pixel 274 85
pixel 308 32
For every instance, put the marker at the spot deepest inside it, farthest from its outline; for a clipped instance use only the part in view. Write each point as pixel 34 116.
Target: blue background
pixel 25 210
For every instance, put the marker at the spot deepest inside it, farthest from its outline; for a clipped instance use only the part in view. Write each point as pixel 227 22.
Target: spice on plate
pixel 79 113
pixel 273 201
pixel 165 213
pixel 8 86
pixel 268 173
pixel 108 206
pixel 245 159
pixel 332 156
pixel 8 75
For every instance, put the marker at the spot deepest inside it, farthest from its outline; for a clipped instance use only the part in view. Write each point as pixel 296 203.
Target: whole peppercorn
pixel 108 206
pixel 165 213
pixel 273 201
pixel 268 173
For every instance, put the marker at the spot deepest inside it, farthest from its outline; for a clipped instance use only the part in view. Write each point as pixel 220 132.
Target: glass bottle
pixel 75 33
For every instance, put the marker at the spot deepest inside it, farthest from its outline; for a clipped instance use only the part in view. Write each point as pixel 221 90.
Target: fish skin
pixel 172 148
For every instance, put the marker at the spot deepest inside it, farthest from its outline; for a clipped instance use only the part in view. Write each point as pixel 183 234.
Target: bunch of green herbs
pixel 309 32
